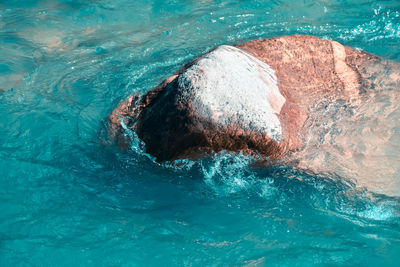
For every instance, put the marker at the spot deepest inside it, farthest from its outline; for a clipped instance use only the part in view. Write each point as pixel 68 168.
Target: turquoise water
pixel 69 197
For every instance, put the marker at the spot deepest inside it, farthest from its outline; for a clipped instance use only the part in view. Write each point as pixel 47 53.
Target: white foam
pixel 230 86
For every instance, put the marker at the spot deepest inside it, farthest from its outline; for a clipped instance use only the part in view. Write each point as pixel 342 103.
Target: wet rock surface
pixel 252 98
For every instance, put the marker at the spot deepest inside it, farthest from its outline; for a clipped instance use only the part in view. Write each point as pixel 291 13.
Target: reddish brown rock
pixel 253 98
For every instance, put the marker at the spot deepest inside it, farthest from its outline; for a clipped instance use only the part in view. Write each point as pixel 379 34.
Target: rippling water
pixel 70 197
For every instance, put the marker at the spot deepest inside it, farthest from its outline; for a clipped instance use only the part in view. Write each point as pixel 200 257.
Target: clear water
pixel 70 198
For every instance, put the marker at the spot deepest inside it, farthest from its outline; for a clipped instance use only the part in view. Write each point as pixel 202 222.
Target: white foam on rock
pixel 230 86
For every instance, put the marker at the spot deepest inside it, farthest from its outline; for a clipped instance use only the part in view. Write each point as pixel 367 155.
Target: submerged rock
pixel 252 98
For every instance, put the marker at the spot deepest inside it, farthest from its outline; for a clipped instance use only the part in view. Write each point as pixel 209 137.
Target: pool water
pixel 70 197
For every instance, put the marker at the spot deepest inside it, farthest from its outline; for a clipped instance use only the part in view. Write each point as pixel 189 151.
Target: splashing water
pixel 69 197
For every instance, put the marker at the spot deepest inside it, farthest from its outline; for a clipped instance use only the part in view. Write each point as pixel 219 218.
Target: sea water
pixel 70 197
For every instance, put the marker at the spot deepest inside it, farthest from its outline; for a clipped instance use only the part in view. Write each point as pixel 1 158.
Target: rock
pixel 252 98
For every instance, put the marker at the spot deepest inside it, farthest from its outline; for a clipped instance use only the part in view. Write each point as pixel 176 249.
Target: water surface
pixel 69 197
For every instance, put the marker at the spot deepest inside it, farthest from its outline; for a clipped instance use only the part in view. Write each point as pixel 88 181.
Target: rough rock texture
pixel 253 98
pixel 310 69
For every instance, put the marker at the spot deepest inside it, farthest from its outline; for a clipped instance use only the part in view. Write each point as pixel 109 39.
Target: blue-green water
pixel 69 197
